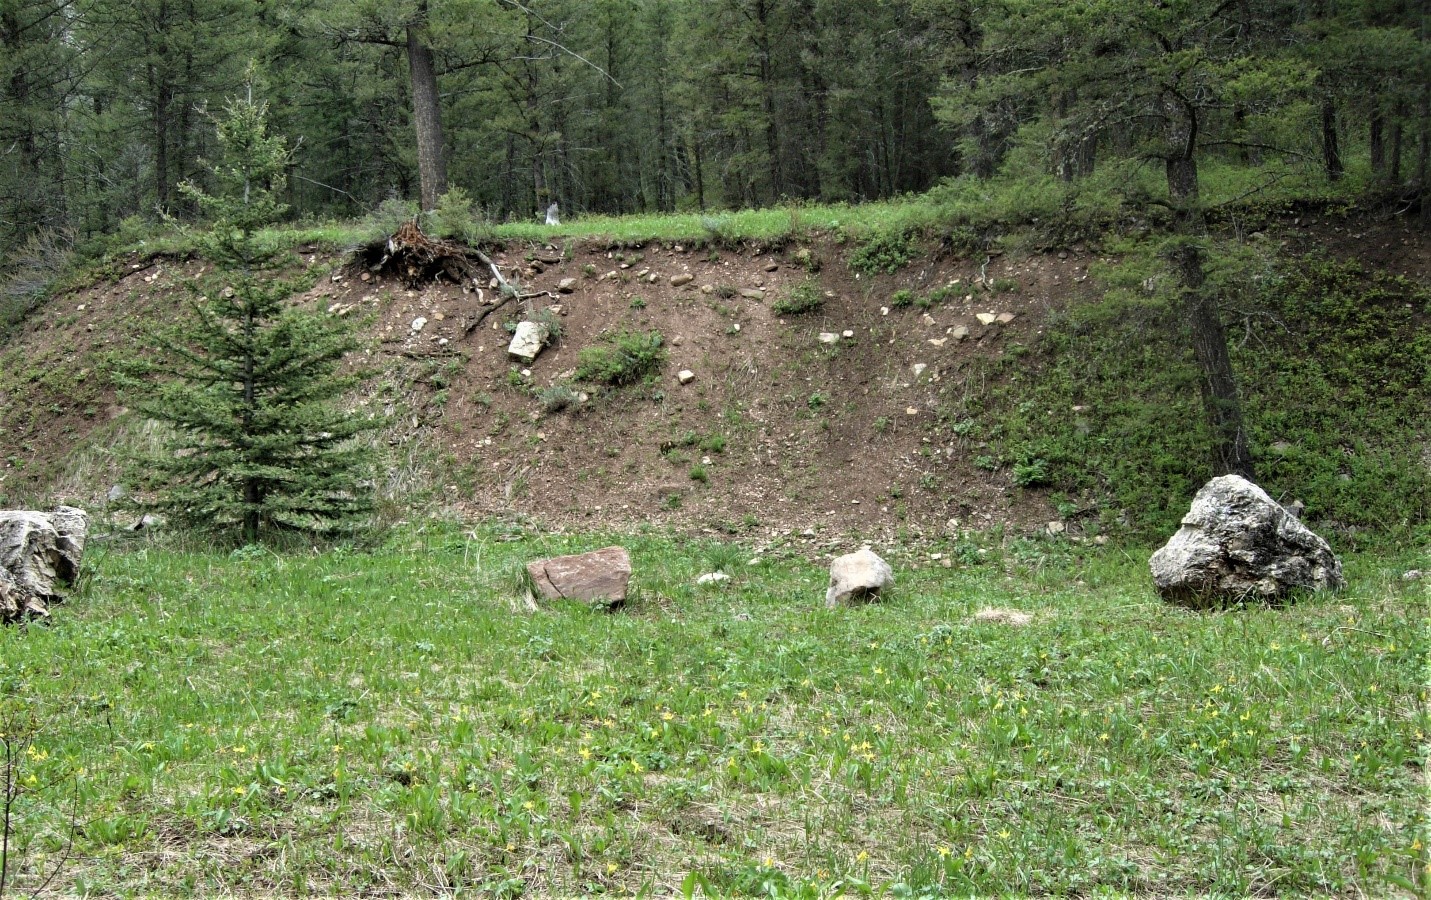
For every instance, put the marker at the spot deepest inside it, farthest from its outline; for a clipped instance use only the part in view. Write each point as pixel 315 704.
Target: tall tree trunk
pixel 1376 140
pixel 1398 115
pixel 1331 153
pixel 426 113
pixel 1218 386
pixel 1423 155
pixel 763 50
pixel 252 493
pixel 700 174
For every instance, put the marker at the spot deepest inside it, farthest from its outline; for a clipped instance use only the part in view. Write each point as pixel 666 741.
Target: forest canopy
pixel 617 106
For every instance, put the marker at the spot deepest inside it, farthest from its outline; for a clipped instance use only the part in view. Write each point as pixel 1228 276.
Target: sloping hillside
pixel 776 430
pixel 868 433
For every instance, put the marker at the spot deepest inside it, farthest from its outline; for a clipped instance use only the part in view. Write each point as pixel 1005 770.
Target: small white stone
pixel 919 369
pixel 686 376
pixel 829 337
pixel 419 323
pixel 847 333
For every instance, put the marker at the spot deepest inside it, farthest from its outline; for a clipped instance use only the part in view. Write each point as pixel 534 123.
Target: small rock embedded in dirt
pixel 857 576
pixel 847 333
pixel 713 578
pixel 528 341
pixel 686 376
pixel 772 267
pixel 566 285
pixel 418 324
pixel 753 294
pixel 960 332
pixel 1004 318
pixel 599 578
pixel 929 320
pixel 986 318
pixel 1001 616
pixel 683 279
pixel 1237 543
pixel 1056 528
pixel 919 369
pixel 829 337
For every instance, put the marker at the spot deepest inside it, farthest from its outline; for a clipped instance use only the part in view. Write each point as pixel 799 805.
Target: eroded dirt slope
pixel 777 433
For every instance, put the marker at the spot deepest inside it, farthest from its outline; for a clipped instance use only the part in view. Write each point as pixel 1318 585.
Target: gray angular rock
pixel 857 576
pixel 1237 544
pixel 36 550
pixel 599 577
pixel 528 340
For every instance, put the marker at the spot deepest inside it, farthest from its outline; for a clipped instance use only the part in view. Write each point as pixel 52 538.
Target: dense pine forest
pixel 619 106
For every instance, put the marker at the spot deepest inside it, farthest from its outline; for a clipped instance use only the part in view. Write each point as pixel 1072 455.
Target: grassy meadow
pixel 389 723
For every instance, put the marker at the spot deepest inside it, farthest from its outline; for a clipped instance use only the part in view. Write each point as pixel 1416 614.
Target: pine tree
pixel 249 382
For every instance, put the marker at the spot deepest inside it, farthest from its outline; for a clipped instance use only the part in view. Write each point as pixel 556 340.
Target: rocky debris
pixel 1237 543
pixel 960 332
pixel 752 294
pixel 599 578
pixel 986 318
pixel 685 376
pixel 528 341
pixel 683 279
pixel 713 578
pixel 857 576
pixel 566 285
pixel 418 324
pixel 1411 575
pixel 38 549
pixel 829 337
pixel 1000 616
pixel 919 369
pixel 1004 318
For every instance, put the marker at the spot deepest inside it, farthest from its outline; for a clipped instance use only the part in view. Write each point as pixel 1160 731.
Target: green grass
pixel 1332 363
pixel 385 722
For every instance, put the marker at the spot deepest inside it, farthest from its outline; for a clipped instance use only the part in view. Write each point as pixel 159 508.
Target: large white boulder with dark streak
pixel 857 576
pixel 37 550
pixel 1238 544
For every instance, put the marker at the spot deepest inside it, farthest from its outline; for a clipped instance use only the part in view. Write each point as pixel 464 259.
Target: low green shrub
pixel 625 357
pixel 884 252
pixel 803 298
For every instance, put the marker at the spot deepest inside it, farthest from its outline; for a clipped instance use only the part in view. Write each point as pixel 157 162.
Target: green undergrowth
pixel 1332 363
pixel 354 723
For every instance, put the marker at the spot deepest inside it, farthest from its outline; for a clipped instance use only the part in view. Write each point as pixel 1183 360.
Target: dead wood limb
pixel 472 326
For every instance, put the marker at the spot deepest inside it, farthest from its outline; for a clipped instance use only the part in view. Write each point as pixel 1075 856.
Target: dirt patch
pixel 780 434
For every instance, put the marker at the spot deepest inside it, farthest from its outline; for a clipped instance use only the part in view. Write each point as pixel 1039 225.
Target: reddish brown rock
pixel 598 577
